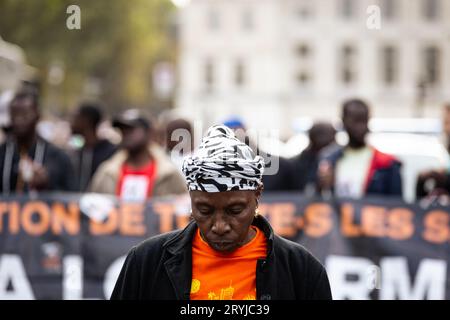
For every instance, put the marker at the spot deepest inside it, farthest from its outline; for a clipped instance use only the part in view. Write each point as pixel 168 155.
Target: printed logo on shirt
pixel 134 188
pixel 195 286
pixel 224 294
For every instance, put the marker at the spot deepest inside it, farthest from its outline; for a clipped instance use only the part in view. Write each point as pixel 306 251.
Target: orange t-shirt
pixel 226 276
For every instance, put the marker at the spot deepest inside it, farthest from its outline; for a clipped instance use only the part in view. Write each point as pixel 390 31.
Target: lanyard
pixel 8 163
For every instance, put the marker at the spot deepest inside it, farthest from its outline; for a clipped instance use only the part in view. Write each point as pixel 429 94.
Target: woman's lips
pixel 221 244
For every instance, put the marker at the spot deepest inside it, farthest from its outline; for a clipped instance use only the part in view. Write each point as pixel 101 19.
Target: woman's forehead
pixel 226 197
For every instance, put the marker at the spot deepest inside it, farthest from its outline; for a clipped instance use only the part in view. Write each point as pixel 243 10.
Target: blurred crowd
pixel 137 156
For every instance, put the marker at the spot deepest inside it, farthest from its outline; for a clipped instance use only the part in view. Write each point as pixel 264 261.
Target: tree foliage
pixel 118 44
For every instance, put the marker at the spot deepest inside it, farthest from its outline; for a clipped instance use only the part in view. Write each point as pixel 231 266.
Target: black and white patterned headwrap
pixel 223 163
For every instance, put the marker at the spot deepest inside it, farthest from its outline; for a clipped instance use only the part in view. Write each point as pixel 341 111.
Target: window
pixel 431 9
pixel 209 76
pixel 213 19
pixel 303 50
pixel 304 55
pixel 305 10
pixel 431 63
pixel 303 78
pixel 389 65
pixel 248 22
pixel 348 9
pixel 348 62
pixel 389 9
pixel 239 74
pixel 304 13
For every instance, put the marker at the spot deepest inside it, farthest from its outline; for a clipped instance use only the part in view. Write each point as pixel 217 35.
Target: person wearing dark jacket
pixel 305 165
pixel 95 150
pixel 358 169
pixel 228 251
pixel 27 161
pixel 436 182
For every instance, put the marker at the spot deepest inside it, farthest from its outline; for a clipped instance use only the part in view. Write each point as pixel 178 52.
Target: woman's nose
pixel 220 226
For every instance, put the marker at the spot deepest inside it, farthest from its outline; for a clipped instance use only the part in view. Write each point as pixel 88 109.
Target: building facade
pixel 274 61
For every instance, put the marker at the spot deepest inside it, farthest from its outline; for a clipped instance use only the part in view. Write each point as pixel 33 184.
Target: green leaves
pixel 118 43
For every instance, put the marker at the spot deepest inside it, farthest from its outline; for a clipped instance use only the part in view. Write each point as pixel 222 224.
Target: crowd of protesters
pixel 147 160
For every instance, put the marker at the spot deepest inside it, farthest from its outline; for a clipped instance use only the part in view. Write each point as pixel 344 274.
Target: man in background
pixel 141 169
pixel 437 182
pixel 305 165
pixel 27 161
pixel 358 169
pixel 95 150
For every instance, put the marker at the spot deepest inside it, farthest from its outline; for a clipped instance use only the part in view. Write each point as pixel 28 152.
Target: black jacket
pixel 282 179
pixel 56 161
pixel 304 170
pixel 384 176
pixel 84 170
pixel 160 268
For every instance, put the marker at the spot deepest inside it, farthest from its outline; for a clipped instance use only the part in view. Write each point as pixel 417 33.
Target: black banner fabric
pixel 66 246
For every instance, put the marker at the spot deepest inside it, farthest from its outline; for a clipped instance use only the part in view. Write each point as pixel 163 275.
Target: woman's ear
pixel 258 193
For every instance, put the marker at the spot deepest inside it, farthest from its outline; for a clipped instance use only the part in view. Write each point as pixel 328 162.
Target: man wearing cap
pixel 141 169
pixel 227 251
